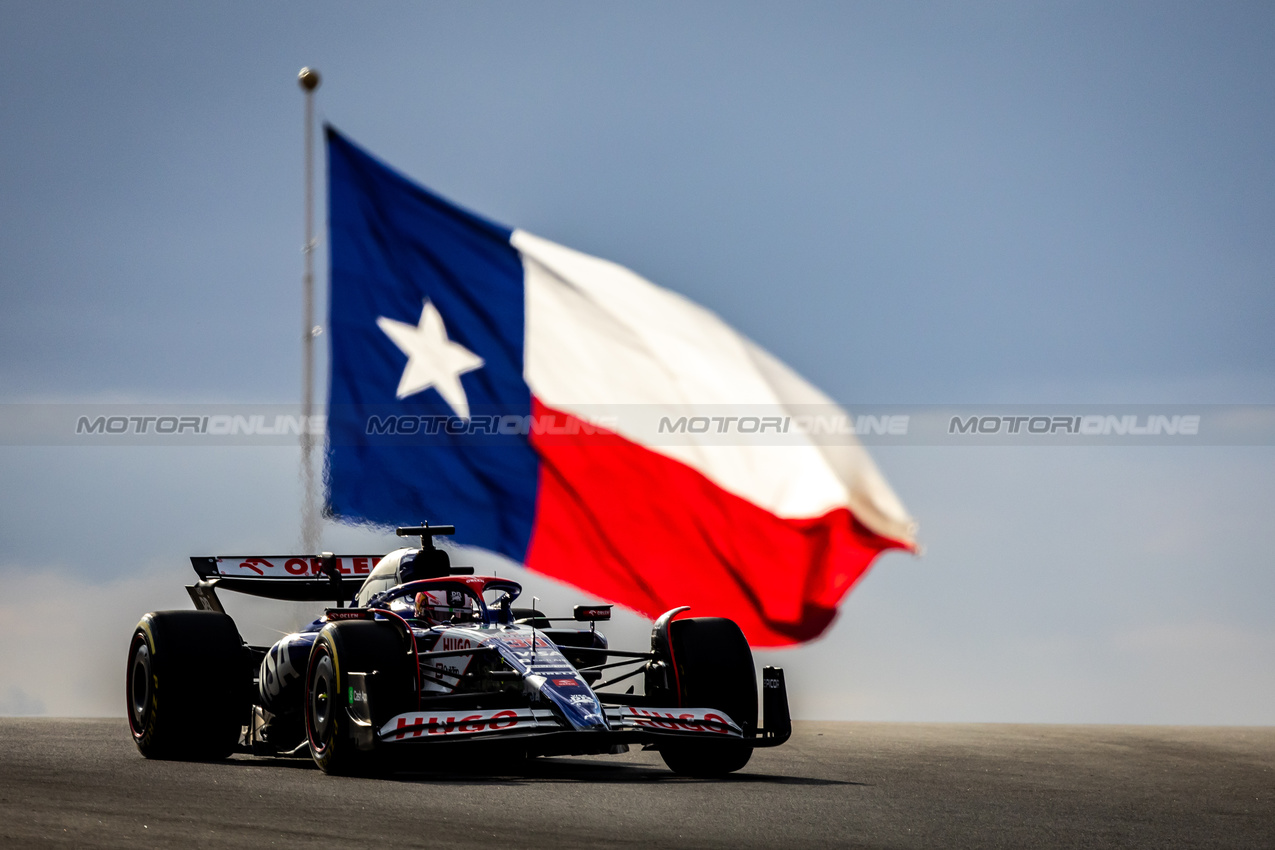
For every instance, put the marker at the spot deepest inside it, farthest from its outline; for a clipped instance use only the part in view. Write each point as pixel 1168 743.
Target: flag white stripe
pixel 601 339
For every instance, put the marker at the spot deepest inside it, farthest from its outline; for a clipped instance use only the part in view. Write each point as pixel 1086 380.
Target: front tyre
pixel 341 649
pixel 187 685
pixel 714 669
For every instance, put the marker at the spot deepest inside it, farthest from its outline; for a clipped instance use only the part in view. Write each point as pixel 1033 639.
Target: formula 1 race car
pixel 429 658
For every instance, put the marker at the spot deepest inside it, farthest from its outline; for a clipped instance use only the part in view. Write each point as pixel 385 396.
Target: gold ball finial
pixel 308 79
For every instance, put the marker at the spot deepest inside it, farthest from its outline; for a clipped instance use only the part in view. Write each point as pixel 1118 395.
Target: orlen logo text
pixel 360 566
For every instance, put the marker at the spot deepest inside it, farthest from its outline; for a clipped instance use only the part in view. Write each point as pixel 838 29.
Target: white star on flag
pixel 433 360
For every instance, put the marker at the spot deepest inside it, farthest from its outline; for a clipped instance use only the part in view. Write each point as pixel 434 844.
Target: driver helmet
pixel 437 607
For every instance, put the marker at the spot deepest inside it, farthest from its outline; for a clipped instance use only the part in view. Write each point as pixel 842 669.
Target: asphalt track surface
pixel 81 783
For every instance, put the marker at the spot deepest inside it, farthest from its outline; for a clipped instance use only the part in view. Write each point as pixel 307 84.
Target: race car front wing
pixel 624 723
pixel 426 724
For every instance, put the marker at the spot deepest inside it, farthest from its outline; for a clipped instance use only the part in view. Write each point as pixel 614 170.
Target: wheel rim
pixel 322 703
pixel 139 684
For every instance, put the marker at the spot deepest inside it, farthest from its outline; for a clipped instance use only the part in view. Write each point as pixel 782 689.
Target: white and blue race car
pixel 429 657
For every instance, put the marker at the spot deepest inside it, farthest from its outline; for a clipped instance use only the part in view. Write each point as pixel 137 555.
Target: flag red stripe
pixel 650 533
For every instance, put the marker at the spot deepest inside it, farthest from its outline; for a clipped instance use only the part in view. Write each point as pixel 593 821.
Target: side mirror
pixel 590 613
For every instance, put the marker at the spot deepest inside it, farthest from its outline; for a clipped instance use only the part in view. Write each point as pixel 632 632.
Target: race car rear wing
pixel 295 578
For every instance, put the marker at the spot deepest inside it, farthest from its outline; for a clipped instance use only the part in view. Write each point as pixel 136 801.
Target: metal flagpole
pixel 309 81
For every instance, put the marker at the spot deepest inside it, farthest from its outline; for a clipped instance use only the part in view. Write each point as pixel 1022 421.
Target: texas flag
pixel 565 412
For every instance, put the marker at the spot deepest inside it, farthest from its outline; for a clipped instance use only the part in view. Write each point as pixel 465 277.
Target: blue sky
pixel 920 203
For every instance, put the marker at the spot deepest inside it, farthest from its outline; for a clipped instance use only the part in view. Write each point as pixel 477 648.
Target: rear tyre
pixel 360 646
pixel 187 685
pixel 713 668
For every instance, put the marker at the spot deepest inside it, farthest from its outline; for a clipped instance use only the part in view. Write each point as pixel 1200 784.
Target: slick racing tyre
pixel 359 646
pixel 187 685
pixel 714 669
